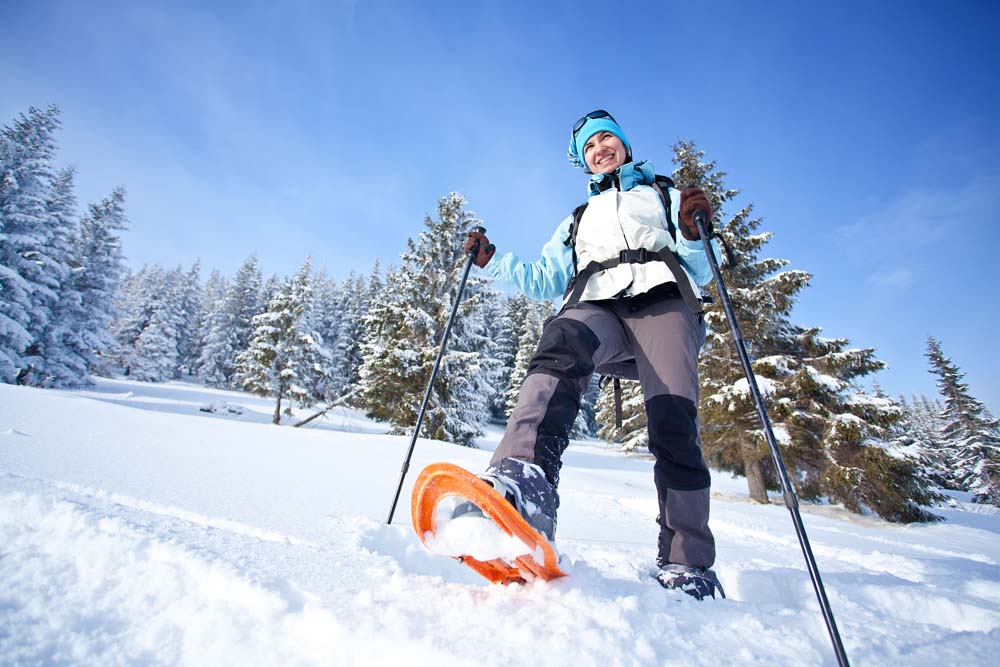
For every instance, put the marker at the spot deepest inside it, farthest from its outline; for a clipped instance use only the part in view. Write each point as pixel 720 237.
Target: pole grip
pixel 699 221
pixel 474 250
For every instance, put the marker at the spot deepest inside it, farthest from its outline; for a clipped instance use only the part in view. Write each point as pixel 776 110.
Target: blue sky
pixel 863 132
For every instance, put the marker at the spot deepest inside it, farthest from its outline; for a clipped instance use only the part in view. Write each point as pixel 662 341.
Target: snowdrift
pixel 136 528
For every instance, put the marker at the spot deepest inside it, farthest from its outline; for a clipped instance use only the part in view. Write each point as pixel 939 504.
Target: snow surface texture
pixel 136 529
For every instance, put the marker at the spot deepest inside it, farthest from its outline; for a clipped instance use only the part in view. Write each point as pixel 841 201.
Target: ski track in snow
pixel 103 561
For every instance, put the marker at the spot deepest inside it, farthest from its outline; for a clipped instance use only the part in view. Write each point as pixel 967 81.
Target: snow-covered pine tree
pixel 835 438
pixel 62 358
pixel 368 291
pixel 905 441
pixel 355 302
pixel 282 353
pixel 924 416
pixel 404 327
pixel 30 274
pixel 504 331
pixel 375 281
pixel 131 314
pixel 325 315
pixel 101 266
pixel 841 438
pixel 141 294
pixel 922 422
pixel 231 326
pixel 970 437
pixel 209 300
pixel 152 321
pixel 507 324
pixel 270 288
pixel 188 297
pixel 154 325
pixel 386 377
pixel 155 357
pixel 216 363
pixel 14 336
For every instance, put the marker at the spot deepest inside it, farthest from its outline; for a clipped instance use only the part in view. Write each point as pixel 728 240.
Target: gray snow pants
pixel 664 337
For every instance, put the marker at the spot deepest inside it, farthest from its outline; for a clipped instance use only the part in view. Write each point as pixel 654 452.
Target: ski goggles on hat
pixel 600 113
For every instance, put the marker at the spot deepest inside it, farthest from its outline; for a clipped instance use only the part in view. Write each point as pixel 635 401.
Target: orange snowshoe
pixel 439 481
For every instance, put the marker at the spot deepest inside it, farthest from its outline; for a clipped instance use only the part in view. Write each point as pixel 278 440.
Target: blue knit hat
pixel 592 126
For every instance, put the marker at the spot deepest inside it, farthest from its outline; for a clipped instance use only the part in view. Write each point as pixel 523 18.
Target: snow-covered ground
pixel 137 529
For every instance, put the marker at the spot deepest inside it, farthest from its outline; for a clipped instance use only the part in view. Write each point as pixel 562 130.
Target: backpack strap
pixel 571 242
pixel 618 404
pixel 575 227
pixel 663 185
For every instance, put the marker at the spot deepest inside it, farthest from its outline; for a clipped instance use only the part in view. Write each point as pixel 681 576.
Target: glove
pixel 693 199
pixel 486 249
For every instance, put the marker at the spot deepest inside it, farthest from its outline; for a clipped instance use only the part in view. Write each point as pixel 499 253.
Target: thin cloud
pixel 922 218
pixel 898 278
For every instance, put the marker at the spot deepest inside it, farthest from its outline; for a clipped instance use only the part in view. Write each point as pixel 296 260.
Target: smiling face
pixel 604 152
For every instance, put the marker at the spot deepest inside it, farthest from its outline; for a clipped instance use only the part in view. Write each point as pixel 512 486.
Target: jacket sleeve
pixel 544 279
pixel 695 261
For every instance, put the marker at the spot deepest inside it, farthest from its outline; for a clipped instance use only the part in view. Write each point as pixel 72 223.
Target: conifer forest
pixel 71 307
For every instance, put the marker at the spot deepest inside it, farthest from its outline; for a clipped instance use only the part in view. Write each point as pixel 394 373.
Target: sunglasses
pixel 600 113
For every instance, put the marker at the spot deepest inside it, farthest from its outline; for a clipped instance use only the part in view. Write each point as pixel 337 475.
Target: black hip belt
pixel 639 256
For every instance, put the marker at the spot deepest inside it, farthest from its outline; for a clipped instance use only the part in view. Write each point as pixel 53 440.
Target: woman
pixel 631 309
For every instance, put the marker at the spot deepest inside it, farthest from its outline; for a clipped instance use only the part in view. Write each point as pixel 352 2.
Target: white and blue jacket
pixel 624 212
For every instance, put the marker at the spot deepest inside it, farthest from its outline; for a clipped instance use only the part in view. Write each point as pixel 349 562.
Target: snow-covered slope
pixel 137 529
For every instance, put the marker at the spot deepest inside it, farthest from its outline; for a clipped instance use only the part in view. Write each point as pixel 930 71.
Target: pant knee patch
pixel 673 440
pixel 566 350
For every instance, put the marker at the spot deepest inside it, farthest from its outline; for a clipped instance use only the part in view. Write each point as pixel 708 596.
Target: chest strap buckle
pixel 640 256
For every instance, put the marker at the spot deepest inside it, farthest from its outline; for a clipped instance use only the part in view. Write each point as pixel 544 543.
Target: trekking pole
pixel 791 500
pixel 437 363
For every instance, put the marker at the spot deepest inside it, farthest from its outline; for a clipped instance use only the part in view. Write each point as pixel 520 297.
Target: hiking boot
pixel 698 582
pixel 534 497
pixel 467 508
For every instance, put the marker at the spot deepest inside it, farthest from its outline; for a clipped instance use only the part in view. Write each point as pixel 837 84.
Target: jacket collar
pixel 624 178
